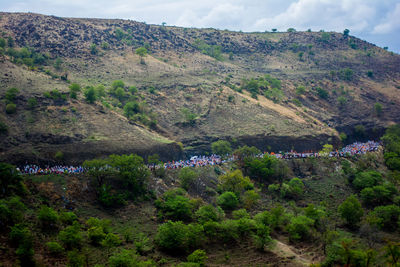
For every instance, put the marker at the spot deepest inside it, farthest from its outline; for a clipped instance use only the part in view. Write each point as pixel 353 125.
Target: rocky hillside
pixel 193 86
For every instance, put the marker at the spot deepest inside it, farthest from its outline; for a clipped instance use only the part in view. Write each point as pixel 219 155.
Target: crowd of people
pixel 356 148
pixel 58 169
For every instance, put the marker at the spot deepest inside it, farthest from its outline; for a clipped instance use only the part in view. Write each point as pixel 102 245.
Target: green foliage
pixel 187 176
pixel 239 214
pixel 198 256
pixel 174 205
pixel 209 213
pixel 11 108
pixel 11 95
pixel 3 128
pixel 104 224
pixel 59 155
pixel 54 248
pixel 322 93
pixel 378 109
pixel 93 49
pixel 32 103
pixel 346 32
pixel 221 147
pixel 48 217
pixel 133 172
pixel 269 86
pixel 189 116
pixel 325 37
pixel 11 211
pixel 90 94
pixel 68 217
pixel 341 101
pixel 367 179
pixel 297 102
pixel 57 63
pixel 326 149
pixel 299 228
pixel 378 195
pixel 244 153
pixel 315 213
pixel 346 74
pixel 293 189
pixel 351 211
pixel 263 169
pixel 387 217
pixel 141 51
pixel 291 30
pixel 392 253
pixel 2 43
pixel 214 51
pixel 75 259
pixel 250 198
pixel 131 108
pixel 142 243
pixel 10 180
pixel 20 233
pixel 343 136
pixel 74 89
pixel 96 234
pixel 26 55
pixel 300 90
pixel 111 240
pixel 71 236
pixel 228 201
pixel 176 237
pixel 108 197
pixel 235 182
pixel 262 237
pixel 126 258
pixel 359 131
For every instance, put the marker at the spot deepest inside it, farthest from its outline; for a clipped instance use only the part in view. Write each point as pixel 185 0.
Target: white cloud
pixel 391 23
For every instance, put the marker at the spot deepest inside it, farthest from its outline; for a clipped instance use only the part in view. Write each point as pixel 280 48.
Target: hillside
pixel 194 86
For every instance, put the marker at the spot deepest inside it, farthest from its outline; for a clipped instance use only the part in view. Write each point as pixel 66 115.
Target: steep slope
pixel 200 71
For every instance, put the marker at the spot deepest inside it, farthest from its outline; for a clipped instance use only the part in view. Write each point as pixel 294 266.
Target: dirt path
pixel 285 251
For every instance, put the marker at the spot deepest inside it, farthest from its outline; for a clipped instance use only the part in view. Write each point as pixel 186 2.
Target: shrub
pixel 117 84
pixel 48 216
pixel 104 224
pixel 250 198
pixel 20 234
pixel 11 211
pixel 142 243
pixel 59 155
pixel 322 93
pixel 68 217
pixel 221 147
pixel 10 180
pixel 262 169
pixel 275 218
pixel 198 256
pixel 90 94
pixel 75 259
pixel 387 216
pixel 299 228
pixel 93 49
pixel 239 214
pixel 300 90
pixel 228 201
pixel 351 211
pixel 32 103
pixel 3 127
pixel 378 109
pixel 131 108
pixel 235 182
pixel 174 205
pixel 11 95
pixel 71 236
pixel 209 213
pixel 96 234
pixel 54 248
pixel 378 195
pixel 111 240
pixel 187 176
pixel 11 108
pixel 177 237
pixel 74 89
pixel 367 179
pixel 125 258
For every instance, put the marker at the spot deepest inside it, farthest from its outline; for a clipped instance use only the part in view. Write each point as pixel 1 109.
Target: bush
pixel 111 240
pixel 54 248
pixel 74 89
pixel 221 147
pixel 228 201
pixel 59 155
pixel 378 195
pixel 20 234
pixel 71 236
pixel 187 176
pixel 262 169
pixel 11 211
pixel 11 95
pixel 250 198
pixel 198 256
pixel 367 179
pixel 235 182
pixel 131 108
pixel 109 198
pixel 11 108
pixel 299 228
pixel 275 219
pixel 125 258
pixel 174 205
pixel 351 211
pixel 209 213
pixel 293 189
pixel 262 237
pixel 239 214
pixel 90 95
pixel 96 234
pixel 104 224
pixel 75 259
pixel 387 216
pixel 378 109
pixel 322 93
pixel 142 243
pixel 68 217
pixel 176 237
pixel 3 128
pixel 32 103
pixel 300 90
pixel 48 216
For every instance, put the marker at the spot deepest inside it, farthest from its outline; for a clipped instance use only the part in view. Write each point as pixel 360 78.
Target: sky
pixel 376 21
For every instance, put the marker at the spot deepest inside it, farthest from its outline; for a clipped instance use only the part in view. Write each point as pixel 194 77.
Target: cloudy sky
pixel 377 21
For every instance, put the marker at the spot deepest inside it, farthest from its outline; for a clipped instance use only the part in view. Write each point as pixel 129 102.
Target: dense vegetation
pixel 348 231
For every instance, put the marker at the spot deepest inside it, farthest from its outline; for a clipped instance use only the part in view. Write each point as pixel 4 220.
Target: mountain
pixel 188 88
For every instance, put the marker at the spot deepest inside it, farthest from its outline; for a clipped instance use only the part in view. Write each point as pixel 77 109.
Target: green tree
pixel 117 84
pixel 235 182
pixel 131 108
pixel 126 258
pixel 299 228
pixel 189 116
pixel 175 205
pixel 74 89
pixel 71 236
pixel 93 49
pixel 198 256
pixel 228 201
pixel 75 259
pixel 141 52
pixel 90 94
pixel 387 217
pixel 291 30
pixel 209 213
pixel 327 148
pixel 11 95
pixel 351 211
pixel 367 179
pixel 378 109
pixel 48 217
pixel 346 32
pixel 187 176
pixel 300 90
pixel 221 147
pixel 11 108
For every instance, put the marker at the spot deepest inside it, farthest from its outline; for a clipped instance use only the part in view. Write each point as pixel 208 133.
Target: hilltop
pixel 275 90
